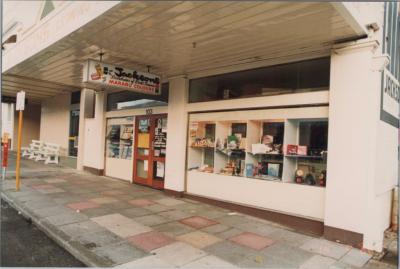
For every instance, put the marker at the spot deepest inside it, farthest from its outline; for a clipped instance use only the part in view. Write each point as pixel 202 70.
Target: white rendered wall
pixel 54 123
pixel 361 157
pixel 94 132
pixel 176 139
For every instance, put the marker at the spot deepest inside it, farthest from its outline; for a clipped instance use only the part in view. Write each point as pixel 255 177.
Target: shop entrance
pixel 150 150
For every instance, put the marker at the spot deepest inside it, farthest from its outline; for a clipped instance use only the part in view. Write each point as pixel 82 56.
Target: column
pixel 81 137
pixel 177 134
pixel 93 148
pixel 355 210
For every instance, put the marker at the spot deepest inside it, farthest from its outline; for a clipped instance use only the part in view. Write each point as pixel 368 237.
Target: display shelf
pixel 270 135
pixel 194 147
pixel 304 156
pixel 266 154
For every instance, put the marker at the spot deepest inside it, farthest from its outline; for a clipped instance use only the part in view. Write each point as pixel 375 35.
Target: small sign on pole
pixel 20 106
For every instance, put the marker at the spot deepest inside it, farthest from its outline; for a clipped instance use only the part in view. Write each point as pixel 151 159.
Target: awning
pixel 173 38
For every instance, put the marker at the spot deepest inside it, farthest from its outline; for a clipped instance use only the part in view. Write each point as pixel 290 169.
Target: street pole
pixel 17 175
pixel 19 106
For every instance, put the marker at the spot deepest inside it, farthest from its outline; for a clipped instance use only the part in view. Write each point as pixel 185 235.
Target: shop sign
pixel 20 104
pixel 99 73
pixel 390 101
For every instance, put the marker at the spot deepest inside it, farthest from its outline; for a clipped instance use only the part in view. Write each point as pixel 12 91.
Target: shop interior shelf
pixel 304 156
pixel 194 147
pixel 267 154
pixel 230 151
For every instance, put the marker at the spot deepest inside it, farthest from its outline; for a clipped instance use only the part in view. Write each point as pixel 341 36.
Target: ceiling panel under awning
pixel 187 37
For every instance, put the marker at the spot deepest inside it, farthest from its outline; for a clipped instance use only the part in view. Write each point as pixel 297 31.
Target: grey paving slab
pixel 97 212
pixel 179 253
pixel 209 261
pixel 118 205
pixel 175 214
pixel 152 220
pixel 211 213
pixel 260 261
pixel 151 261
pixel 292 255
pixel 158 208
pixel 356 257
pixel 79 228
pixel 35 205
pixel 217 228
pixel 340 265
pixel 55 180
pixel 98 239
pixel 121 225
pixel 317 262
pixel 170 201
pixel 120 253
pixel 326 248
pixel 135 212
pixel 289 237
pixel 232 220
pixel 235 254
pixel 229 233
pixel 66 218
pixel 258 228
pixel 173 228
pixel 52 211
pixel 51 191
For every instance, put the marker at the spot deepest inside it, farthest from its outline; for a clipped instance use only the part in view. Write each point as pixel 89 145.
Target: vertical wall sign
pixel 390 103
pixel 102 74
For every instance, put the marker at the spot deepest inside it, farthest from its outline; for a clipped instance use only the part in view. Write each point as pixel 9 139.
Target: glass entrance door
pixel 150 150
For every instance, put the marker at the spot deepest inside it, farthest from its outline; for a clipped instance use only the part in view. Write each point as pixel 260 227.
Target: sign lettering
pixel 99 73
pixel 390 97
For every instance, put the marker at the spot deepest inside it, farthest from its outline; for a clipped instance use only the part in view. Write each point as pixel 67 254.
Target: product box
pixel 249 170
pixel 291 149
pixel 302 150
pixel 273 169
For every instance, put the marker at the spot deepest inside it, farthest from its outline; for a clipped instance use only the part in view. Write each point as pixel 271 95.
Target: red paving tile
pixel 141 202
pixel 198 222
pixel 150 240
pixel 251 240
pixel 83 205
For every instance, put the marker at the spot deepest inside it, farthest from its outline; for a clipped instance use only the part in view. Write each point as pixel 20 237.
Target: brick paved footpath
pixel 106 222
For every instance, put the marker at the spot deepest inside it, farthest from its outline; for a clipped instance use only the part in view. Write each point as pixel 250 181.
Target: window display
pixel 292 151
pixel 119 138
pixel 309 156
pixel 202 145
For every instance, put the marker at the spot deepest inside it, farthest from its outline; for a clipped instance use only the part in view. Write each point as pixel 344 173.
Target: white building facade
pixel 287 111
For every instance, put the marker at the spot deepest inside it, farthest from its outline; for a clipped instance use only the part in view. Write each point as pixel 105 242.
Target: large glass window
pixel 285 150
pixel 129 99
pixel 311 75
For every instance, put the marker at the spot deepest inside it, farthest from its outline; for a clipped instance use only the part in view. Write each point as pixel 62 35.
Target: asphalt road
pixel 24 245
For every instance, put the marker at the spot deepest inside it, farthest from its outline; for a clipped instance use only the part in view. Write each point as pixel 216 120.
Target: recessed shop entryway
pixel 150 150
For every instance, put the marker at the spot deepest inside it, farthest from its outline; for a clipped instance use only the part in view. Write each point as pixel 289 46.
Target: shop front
pixel 136 133
pixel 283 110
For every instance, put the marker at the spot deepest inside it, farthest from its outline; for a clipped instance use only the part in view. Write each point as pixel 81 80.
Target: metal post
pixel 17 178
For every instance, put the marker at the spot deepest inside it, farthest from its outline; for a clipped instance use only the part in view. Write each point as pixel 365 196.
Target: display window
pixel 282 150
pixel 298 77
pixel 131 100
pixel 119 138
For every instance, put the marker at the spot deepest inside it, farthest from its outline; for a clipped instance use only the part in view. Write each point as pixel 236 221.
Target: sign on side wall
pixel 103 74
pixel 390 102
